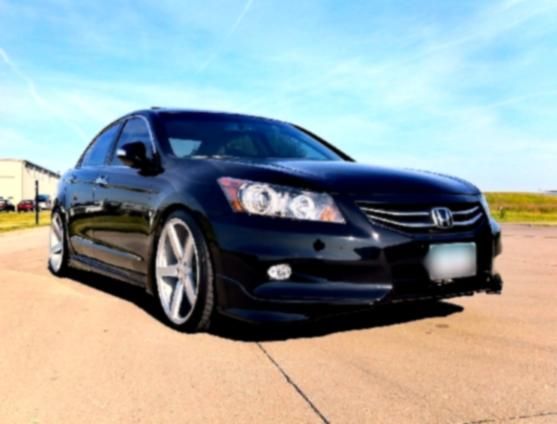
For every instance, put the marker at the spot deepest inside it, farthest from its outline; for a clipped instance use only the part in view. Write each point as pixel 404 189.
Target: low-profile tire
pixel 57 246
pixel 182 273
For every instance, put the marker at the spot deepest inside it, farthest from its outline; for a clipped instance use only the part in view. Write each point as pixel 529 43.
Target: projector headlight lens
pixel 259 199
pixel 279 201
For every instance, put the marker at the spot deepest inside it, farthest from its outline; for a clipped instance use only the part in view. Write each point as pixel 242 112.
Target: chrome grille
pixel 419 217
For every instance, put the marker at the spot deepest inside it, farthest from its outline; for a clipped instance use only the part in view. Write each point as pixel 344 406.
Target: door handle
pixel 101 181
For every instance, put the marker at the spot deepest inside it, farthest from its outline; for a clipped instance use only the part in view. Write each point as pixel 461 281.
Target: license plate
pixel 445 262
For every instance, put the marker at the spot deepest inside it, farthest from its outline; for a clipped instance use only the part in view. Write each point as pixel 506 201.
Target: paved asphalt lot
pixel 88 349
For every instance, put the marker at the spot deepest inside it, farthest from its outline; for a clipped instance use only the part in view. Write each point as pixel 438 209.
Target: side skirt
pixel 92 265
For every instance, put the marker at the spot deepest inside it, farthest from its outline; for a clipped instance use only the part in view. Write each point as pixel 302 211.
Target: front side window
pixel 98 150
pixel 134 130
pixel 211 135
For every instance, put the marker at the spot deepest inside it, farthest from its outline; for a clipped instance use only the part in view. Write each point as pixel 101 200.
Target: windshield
pixel 192 134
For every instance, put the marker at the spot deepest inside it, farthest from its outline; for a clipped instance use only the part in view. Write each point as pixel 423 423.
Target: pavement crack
pixel 515 418
pixel 294 385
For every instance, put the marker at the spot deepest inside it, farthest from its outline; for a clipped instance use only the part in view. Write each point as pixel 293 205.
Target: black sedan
pixel 261 220
pixel 6 205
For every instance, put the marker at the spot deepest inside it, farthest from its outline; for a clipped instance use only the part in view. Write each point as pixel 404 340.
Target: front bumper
pixel 336 268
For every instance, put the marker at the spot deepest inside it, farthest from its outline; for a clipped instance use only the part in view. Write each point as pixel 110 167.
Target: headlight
pixel 485 205
pixel 279 201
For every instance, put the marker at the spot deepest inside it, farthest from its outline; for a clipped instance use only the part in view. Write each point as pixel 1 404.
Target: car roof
pixel 155 110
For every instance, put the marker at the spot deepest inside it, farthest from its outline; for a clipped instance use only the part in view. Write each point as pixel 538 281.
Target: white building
pixel 17 180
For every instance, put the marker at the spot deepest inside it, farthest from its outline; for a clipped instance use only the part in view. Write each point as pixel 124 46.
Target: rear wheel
pixel 183 273
pixel 58 252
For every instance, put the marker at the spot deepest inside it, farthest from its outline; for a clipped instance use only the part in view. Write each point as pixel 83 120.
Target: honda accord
pixel 263 221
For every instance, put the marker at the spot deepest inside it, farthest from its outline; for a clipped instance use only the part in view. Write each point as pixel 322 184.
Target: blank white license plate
pixel 452 260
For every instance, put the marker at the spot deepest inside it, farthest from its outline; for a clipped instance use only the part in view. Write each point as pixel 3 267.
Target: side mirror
pixel 133 155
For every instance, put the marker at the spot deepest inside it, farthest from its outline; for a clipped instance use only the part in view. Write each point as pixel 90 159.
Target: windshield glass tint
pixel 202 134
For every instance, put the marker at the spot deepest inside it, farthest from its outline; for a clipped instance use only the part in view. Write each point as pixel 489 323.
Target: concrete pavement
pixel 89 349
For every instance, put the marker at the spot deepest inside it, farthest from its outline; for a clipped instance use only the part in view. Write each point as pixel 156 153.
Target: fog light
pixel 280 272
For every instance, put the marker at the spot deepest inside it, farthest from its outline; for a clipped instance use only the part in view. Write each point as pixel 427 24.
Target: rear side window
pixel 97 152
pixel 134 130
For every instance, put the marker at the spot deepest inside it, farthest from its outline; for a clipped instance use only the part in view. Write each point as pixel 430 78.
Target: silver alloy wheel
pixel 56 243
pixel 176 271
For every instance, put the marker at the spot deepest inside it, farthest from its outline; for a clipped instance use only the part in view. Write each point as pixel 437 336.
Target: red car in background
pixel 26 205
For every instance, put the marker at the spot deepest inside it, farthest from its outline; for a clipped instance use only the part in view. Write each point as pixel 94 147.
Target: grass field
pixel 15 221
pixel 523 207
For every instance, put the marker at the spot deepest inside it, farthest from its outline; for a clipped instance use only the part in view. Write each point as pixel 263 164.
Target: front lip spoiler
pixel 329 292
pixel 269 307
pixel 492 284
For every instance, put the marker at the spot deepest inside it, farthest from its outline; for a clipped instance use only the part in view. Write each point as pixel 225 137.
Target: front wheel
pixel 183 273
pixel 58 252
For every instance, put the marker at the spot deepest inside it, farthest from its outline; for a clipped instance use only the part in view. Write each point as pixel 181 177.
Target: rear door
pixel 82 203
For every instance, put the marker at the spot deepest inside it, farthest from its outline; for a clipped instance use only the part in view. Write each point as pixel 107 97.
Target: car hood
pixel 355 178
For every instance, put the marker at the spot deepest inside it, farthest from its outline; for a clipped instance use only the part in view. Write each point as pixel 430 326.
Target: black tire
pixel 202 311
pixel 63 267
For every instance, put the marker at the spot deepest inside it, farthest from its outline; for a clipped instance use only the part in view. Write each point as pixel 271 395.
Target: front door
pixel 128 196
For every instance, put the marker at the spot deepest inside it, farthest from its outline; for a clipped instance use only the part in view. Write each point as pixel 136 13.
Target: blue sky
pixel 463 87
